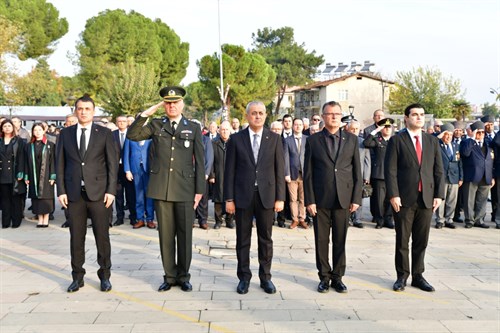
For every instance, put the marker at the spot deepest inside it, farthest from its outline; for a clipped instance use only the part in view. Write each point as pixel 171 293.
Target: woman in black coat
pixel 40 174
pixel 12 187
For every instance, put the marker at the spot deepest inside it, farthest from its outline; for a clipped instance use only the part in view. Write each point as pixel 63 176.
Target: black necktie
pixel 83 149
pixel 173 126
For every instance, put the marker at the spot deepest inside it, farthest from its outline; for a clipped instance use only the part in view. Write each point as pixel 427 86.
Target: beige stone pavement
pixel 462 264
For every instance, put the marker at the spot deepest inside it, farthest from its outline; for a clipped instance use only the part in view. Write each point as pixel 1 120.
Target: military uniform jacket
pixel 176 162
pixel 379 146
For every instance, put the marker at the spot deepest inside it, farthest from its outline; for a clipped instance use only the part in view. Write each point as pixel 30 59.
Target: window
pixel 343 95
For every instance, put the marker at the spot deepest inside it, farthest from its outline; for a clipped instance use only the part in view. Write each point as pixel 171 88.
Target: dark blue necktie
pixel 450 153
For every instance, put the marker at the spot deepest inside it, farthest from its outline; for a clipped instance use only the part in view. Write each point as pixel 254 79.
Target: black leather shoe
pixel 389 225
pixel 421 283
pixel 449 225
pixel 281 224
pixel 439 226
pixel 379 226
pixel 399 285
pixel 481 225
pixel 243 287
pixel 468 225
pixel 230 225
pixel 358 225
pixel 339 286
pixel 498 226
pixel 217 225
pixel 65 225
pixel 268 286
pixel 105 285
pixel 186 286
pixel 323 287
pixel 75 286
pixel 118 222
pixel 165 286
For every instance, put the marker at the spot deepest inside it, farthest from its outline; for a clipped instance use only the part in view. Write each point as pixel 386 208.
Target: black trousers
pixel 98 213
pixel 381 209
pixel 125 190
pixel 264 224
pixel 334 222
pixel 12 206
pixel 219 211
pixel 414 222
pixel 202 208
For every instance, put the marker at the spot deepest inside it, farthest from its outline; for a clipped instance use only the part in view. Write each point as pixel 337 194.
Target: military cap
pixel 488 119
pixel 478 125
pixel 347 119
pixel 172 94
pixel 458 124
pixel 447 128
pixel 385 122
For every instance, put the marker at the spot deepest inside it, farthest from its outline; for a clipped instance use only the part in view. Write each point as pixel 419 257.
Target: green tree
pixel 293 64
pixel 40 87
pixel 428 87
pixel 200 101
pixel 490 110
pixel 39 26
pixel 248 75
pixel 129 87
pixel 461 109
pixel 114 36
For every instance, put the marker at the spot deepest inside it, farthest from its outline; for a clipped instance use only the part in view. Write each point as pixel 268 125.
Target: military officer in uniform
pixel 176 182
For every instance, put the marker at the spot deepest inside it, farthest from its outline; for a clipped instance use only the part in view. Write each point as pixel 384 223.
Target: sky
pixel 461 38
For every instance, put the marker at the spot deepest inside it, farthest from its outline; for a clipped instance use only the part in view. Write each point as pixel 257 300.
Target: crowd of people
pixel 311 172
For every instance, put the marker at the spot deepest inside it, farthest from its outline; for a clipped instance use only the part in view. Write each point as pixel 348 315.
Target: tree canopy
pixel 129 87
pixel 293 64
pixel 428 87
pixel 40 87
pixel 114 36
pixel 38 27
pixel 247 74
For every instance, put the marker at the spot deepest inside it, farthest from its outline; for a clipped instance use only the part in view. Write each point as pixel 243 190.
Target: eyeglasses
pixel 333 114
pixel 316 119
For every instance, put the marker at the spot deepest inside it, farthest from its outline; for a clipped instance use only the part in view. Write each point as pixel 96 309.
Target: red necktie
pixel 418 148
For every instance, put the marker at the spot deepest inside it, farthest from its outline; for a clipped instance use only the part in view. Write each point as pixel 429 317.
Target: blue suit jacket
pixel 134 154
pixel 294 161
pixel 452 166
pixel 475 164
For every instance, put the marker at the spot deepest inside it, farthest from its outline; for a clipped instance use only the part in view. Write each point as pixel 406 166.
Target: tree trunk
pixel 281 94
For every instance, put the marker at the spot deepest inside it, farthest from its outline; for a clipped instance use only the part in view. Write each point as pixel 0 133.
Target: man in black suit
pixel 415 187
pixel 125 188
pixel 87 167
pixel 332 190
pixel 254 186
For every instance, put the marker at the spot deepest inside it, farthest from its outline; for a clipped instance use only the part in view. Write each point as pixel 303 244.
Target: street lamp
pixel 496 93
pixel 351 111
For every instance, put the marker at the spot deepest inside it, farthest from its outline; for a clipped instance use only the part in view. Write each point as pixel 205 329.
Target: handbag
pixel 367 191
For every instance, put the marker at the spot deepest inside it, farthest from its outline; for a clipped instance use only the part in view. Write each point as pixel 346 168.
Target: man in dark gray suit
pixel 254 186
pixel 176 182
pixel 332 189
pixel 87 172
pixel 415 186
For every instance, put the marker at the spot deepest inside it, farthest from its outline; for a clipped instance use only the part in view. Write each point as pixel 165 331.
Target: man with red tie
pixel 415 186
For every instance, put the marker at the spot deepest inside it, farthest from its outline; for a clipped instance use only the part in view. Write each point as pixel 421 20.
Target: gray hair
pixel 252 103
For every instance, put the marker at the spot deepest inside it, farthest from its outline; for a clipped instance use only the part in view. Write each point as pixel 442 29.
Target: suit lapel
pixel 74 139
pixel 264 141
pixel 342 141
pixel 248 145
pixel 408 141
pixel 325 146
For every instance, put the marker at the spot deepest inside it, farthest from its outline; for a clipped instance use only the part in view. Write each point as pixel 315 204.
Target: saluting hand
pixel 151 111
